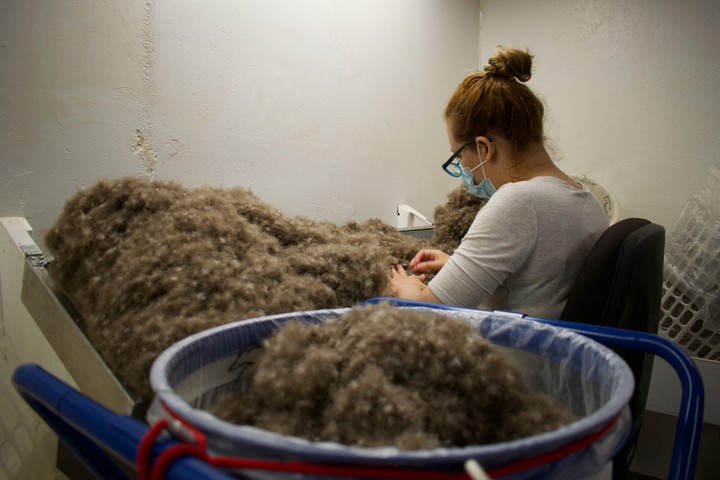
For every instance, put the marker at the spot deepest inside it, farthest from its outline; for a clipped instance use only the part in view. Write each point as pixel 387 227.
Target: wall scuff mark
pixel 144 150
pixel 143 144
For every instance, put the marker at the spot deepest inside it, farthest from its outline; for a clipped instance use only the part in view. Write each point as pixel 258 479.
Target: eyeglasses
pixel 452 164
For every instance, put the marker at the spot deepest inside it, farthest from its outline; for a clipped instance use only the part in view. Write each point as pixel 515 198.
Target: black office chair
pixel 620 285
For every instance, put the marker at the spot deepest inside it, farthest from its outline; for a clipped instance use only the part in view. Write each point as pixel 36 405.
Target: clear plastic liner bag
pixel 593 382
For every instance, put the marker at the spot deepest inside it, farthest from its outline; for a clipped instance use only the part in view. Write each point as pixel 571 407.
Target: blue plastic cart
pixel 101 438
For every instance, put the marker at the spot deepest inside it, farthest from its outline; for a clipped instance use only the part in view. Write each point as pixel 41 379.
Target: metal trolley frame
pixel 106 441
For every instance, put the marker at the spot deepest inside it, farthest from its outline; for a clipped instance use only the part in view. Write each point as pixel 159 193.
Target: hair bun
pixel 510 62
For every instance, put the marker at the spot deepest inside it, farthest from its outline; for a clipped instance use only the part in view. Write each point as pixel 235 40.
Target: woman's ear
pixel 485 147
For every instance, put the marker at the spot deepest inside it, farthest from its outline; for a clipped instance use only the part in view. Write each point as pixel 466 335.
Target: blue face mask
pixel 484 189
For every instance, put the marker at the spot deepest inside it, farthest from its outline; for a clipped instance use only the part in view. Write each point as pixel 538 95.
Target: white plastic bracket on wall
pixel 408 217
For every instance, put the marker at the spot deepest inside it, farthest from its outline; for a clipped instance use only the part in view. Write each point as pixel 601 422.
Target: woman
pixel 527 244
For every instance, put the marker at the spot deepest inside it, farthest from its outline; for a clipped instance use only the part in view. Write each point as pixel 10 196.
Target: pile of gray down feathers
pixel 385 376
pixel 147 263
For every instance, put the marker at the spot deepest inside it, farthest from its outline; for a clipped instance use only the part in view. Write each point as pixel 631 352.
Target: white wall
pixel 325 108
pixel 631 89
pixel 332 108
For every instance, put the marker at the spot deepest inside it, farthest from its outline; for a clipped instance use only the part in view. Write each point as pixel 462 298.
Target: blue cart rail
pixel 100 438
pixel 96 435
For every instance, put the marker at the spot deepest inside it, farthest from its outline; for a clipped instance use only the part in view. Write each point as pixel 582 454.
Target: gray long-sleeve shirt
pixel 524 249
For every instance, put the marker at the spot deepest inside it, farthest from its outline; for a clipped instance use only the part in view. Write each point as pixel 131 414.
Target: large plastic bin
pixel 582 374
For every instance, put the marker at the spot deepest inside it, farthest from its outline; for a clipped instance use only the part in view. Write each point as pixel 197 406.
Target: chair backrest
pixel 620 285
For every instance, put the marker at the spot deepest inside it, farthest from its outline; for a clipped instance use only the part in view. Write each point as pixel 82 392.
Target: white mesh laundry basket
pixel 588 378
pixel 604 196
pixel 691 289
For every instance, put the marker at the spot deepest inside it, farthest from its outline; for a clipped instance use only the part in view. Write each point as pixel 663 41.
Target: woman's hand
pixel 410 287
pixel 403 285
pixel 429 260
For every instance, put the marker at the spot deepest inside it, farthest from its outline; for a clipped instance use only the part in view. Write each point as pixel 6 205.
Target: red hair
pixel 495 102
